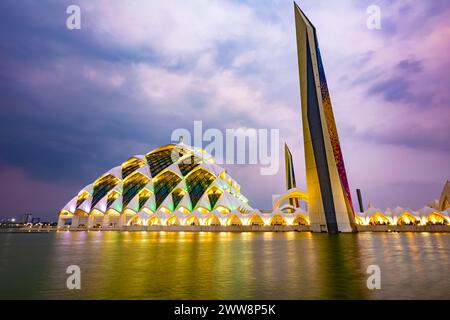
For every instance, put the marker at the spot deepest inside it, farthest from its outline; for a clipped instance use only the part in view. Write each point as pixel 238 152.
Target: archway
pixel 255 220
pixel 296 193
pixel 379 219
pixel 154 221
pixel 300 220
pixel 173 221
pixel 135 221
pixel 278 220
pixel 192 221
pixel 234 221
pixel 408 220
pixel 436 218
pixel 213 221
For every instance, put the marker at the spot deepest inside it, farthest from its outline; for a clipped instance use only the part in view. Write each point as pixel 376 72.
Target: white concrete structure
pixel 175 185
pixel 400 216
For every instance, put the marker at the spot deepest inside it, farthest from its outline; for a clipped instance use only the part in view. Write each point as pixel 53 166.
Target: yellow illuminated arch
pixel 65 213
pixel 278 220
pixel 435 218
pixel 154 221
pixel 255 220
pixel 203 210
pixel 223 210
pixel 301 219
pixel 358 220
pixel 135 221
pixel 96 212
pixel 173 221
pixel 192 221
pixel 408 219
pixel 291 194
pixel 212 221
pixel 379 219
pixel 234 221
pixel 80 213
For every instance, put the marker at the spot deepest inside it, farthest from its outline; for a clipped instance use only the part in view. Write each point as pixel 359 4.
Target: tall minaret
pixel 330 203
pixel 290 175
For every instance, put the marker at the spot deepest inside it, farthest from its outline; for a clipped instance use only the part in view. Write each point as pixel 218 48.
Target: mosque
pixel 180 187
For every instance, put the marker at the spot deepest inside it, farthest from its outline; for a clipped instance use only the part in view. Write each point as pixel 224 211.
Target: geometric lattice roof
pixel 173 176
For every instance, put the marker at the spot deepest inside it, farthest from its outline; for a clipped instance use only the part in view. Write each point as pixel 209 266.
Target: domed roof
pixel 167 178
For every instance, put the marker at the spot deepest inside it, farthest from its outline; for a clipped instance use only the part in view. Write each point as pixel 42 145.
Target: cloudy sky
pixel 74 103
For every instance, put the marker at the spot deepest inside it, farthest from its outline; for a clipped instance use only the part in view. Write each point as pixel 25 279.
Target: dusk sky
pixel 75 103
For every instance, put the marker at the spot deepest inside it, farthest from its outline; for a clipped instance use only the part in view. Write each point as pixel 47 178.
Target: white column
pixel 91 220
pixel 75 221
pixel 105 221
pixel 122 220
pixel 60 221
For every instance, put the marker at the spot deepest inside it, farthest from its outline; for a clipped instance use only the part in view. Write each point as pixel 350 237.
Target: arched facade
pixel 403 217
pixel 176 180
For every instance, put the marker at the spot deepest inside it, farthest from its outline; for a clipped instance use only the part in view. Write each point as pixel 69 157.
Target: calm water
pixel 167 265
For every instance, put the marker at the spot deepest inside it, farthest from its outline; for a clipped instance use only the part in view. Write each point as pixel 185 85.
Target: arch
pixel 112 218
pixel 129 212
pixel 164 184
pixel 183 210
pixel 278 220
pixel 212 221
pixel 255 220
pixel 223 210
pixel 80 213
pixel 203 210
pixel 407 218
pixel 102 186
pixel 358 220
pixel 177 196
pixel 173 221
pixel 132 185
pixel 81 197
pixel 290 194
pixel 164 210
pixel 192 221
pixel 131 165
pixel 154 221
pixel 111 197
pixel 147 211
pixel 379 219
pixel 135 221
pixel 435 218
pixel 214 193
pixel 197 182
pixel 300 220
pixel 287 208
pixel 160 159
pixel 65 213
pixel 234 220
pixel 96 212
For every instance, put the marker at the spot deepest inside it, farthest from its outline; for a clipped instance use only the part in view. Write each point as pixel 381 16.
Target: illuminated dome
pixel 171 181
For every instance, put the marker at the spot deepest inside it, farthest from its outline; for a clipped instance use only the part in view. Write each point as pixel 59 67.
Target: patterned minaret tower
pixel 330 203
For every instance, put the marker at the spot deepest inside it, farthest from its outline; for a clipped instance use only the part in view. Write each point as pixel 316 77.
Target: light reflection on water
pixel 189 265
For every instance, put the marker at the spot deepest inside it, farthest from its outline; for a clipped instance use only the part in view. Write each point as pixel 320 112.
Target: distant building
pixel 27 218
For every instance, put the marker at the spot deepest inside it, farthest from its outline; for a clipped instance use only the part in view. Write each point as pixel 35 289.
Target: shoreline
pixel 297 228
